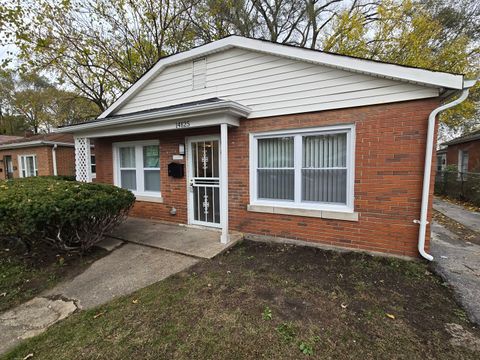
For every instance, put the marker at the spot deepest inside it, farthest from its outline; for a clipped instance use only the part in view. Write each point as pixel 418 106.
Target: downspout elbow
pixel 428 167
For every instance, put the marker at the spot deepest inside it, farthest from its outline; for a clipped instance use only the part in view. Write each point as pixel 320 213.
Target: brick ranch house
pixel 277 141
pixel 38 155
pixel 464 152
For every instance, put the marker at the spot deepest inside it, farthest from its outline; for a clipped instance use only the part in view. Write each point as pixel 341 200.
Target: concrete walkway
pixel 196 242
pixel 469 219
pixel 457 260
pixel 127 268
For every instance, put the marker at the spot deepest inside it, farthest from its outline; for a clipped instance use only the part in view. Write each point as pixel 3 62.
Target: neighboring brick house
pixel 464 152
pixel 38 155
pixel 277 141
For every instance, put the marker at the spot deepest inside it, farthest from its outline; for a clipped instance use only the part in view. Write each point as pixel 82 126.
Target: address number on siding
pixel 182 124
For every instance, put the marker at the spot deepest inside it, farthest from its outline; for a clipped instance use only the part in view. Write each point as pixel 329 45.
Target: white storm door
pixel 204 180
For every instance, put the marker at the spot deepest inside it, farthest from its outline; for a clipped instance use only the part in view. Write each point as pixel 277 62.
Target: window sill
pixel 324 214
pixel 146 198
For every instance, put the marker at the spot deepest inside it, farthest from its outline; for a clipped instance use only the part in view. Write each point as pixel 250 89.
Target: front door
pixel 7 160
pixel 204 180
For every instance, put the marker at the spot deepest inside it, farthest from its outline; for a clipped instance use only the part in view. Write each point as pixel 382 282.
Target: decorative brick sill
pixel 324 214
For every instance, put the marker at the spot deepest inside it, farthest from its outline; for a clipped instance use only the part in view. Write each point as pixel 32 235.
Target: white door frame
pixel 189 161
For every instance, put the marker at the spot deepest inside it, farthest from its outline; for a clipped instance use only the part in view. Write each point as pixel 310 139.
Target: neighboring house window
pixel 28 165
pixel 441 162
pixel 137 167
pixel 304 168
pixel 199 76
pixel 93 166
pixel 462 164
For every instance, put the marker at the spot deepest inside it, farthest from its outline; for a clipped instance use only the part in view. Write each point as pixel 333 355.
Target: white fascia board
pixel 220 107
pixel 159 126
pixel 34 144
pixel 390 71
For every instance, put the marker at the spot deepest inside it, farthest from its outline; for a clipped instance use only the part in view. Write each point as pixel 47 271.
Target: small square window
pixel 138 167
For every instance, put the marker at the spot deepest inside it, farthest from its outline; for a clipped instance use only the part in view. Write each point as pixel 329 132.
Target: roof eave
pixel 224 106
pixel 34 144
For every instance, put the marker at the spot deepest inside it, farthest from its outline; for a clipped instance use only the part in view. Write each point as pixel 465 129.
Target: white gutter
pixel 34 143
pixel 428 167
pixel 54 158
pixel 223 106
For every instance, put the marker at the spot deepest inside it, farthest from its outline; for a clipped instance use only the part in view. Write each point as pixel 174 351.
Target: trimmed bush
pixel 67 215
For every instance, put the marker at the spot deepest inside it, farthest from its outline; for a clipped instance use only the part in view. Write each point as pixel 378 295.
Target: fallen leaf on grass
pixel 99 314
pixel 135 301
pixel 390 316
pixel 28 356
pixel 344 306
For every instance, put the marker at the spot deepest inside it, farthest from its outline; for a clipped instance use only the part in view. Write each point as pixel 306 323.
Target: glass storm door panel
pixel 205 182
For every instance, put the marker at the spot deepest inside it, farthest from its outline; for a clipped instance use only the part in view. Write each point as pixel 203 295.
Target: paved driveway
pixel 467 218
pixel 457 260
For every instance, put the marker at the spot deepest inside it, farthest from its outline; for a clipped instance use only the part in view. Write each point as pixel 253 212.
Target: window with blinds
pixel 275 168
pixel 306 168
pixel 324 168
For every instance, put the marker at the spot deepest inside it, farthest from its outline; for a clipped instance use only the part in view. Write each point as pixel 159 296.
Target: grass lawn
pixel 22 277
pixel 265 301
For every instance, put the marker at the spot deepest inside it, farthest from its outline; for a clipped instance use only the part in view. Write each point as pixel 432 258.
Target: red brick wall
pixel 65 160
pixel 389 157
pixel 473 148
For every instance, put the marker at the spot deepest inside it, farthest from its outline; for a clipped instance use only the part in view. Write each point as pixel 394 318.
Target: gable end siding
pixel 271 85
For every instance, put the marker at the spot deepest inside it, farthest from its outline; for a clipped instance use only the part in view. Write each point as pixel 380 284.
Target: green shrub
pixel 59 177
pixel 67 215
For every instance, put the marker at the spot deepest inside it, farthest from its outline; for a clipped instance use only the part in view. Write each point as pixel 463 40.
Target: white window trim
pixel 141 195
pixel 92 164
pixel 20 165
pixel 349 129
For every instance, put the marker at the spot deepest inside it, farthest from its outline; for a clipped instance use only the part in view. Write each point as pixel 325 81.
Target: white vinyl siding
pixel 28 165
pixel 305 168
pixel 137 167
pixel 271 85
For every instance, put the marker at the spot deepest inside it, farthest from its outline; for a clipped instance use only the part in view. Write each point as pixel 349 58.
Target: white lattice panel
pixel 83 168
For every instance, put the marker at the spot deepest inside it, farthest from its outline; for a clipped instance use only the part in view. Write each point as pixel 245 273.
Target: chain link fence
pixel 457 185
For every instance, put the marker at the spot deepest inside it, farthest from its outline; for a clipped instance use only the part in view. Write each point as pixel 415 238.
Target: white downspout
pixel 428 167
pixel 54 159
